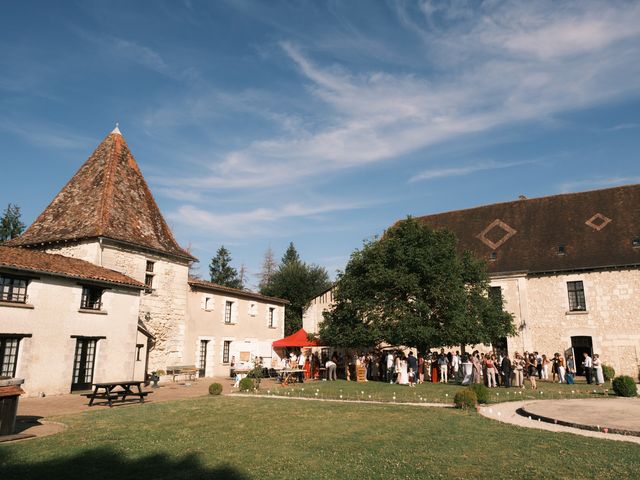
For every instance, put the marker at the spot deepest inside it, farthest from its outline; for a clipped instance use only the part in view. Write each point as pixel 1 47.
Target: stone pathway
pixel 608 411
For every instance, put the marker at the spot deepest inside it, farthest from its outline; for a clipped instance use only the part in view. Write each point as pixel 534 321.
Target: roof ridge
pixel 533 199
pixel 107 190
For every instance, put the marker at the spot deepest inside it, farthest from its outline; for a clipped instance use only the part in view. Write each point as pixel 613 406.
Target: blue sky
pixel 321 123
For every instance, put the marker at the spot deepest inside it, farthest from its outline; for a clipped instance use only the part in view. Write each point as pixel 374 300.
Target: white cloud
pixel 595 183
pixel 258 221
pixel 515 63
pixel 47 135
pixel 434 173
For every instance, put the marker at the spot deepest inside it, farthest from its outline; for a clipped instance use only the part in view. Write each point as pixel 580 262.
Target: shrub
pixel 465 399
pixel 246 384
pixel 608 372
pixel 482 392
pixel 624 386
pixel 215 389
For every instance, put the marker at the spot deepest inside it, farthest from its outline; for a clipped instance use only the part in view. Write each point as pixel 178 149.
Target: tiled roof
pixel 107 197
pixel 572 231
pixel 214 287
pixel 25 259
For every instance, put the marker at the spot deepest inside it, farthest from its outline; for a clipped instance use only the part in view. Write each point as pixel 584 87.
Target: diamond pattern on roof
pixel 496 234
pixel 598 222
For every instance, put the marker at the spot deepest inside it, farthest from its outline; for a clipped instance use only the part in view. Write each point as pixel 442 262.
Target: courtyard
pixel 241 437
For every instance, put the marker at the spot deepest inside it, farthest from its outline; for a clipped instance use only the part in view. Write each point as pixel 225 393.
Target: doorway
pixel 203 358
pixel 580 345
pixel 83 363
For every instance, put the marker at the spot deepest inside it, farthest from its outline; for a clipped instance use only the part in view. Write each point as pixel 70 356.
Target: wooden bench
pixel 190 372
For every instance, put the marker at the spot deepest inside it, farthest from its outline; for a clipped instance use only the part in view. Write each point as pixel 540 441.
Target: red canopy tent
pixel 298 339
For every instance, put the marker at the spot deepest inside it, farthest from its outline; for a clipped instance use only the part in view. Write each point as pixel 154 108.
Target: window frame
pixel 84 299
pixel 149 273
pixel 4 364
pixel 228 312
pixel 271 317
pixel 10 288
pixel 577 297
pixel 226 351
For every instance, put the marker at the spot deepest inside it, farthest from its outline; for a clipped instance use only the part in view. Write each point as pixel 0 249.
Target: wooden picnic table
pixel 116 390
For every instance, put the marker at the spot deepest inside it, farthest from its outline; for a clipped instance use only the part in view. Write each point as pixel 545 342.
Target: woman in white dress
pixel 597 368
pixel 467 370
pixel 403 378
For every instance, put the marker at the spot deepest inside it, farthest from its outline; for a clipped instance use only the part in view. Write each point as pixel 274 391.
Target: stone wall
pixel 163 311
pixel 540 307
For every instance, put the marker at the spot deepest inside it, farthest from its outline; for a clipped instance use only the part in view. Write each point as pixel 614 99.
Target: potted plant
pixel 155 377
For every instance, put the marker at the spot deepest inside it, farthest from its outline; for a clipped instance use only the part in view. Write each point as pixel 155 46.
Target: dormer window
pixel 636 242
pixel 561 250
pixel 13 289
pixel 91 298
pixel 494 256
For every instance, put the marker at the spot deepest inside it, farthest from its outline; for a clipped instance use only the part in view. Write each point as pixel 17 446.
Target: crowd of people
pixel 492 369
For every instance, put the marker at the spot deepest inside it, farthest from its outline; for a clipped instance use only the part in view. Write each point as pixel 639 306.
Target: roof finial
pixel 116 130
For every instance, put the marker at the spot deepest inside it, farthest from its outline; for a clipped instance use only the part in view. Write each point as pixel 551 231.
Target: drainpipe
pixel 101 248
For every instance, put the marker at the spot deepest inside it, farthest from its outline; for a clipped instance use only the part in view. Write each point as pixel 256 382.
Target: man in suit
pixel 588 367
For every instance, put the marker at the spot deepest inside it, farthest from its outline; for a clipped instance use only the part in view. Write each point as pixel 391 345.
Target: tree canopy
pixel 222 272
pixel 269 267
pixel 298 282
pixel 412 287
pixel 10 224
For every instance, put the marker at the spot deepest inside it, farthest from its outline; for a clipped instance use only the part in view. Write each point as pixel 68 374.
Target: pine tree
pixel 221 270
pixel 291 255
pixel 10 224
pixel 242 275
pixel 269 267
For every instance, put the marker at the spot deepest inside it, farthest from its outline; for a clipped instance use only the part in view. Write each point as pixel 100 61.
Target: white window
pixel 228 310
pixel 207 303
pixel 272 319
pixel 253 309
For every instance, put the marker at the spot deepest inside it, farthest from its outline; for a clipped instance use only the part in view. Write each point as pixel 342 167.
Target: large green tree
pixel 412 287
pixel 298 282
pixel 10 224
pixel 222 272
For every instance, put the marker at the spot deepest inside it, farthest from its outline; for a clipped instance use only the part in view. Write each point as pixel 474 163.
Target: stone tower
pixel 107 215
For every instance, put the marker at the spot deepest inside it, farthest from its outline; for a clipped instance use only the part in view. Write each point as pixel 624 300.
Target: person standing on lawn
pixel 420 377
pixel 597 369
pixel 491 371
pixel 506 371
pixel 587 364
pixel 455 365
pixel 538 364
pixel 412 363
pixel 561 369
pixel 443 363
pixel 571 369
pixel 518 370
pixel 532 371
pixel 477 367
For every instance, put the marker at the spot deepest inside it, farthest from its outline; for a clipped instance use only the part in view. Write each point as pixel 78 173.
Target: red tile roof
pixel 107 197
pixel 596 230
pixel 203 284
pixel 16 258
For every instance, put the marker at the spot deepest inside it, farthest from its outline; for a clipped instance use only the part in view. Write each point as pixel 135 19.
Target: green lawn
pixel 242 438
pixel 427 392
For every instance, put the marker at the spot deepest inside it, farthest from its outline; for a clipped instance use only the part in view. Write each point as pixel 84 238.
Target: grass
pixel 243 438
pixel 427 392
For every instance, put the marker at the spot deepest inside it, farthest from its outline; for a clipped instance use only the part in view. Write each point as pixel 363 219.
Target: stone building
pixel 107 216
pixel 66 322
pixel 567 267
pixel 312 316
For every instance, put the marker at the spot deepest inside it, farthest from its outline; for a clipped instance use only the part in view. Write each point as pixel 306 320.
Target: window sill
pixel 273 328
pixel 230 323
pixel 95 312
pixel 17 305
pixel 577 312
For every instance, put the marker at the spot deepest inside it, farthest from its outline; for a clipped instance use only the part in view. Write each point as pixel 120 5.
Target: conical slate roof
pixel 107 197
